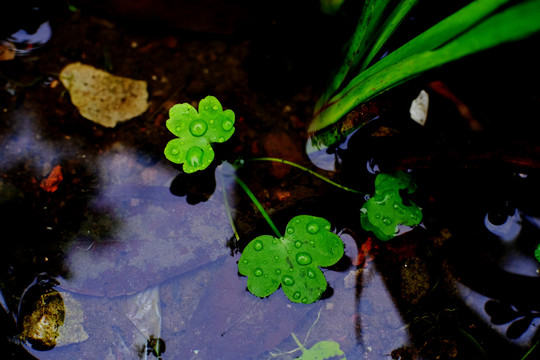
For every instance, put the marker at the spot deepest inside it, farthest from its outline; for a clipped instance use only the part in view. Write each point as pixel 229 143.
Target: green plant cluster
pixel 291 261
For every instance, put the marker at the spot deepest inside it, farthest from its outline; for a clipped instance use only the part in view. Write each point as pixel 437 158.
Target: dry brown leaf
pixel 104 98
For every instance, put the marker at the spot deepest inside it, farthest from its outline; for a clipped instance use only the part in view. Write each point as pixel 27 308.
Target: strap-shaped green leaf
pixel 476 27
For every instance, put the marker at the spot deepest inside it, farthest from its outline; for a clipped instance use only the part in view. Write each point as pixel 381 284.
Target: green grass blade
pixel 332 109
pixel 367 25
pixel 394 20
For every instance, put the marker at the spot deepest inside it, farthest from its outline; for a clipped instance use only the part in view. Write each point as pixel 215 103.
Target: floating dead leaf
pixel 104 98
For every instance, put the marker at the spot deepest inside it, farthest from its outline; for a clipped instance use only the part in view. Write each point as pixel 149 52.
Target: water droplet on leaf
pixel 298 244
pixel 303 258
pixel 258 272
pixel 313 228
pixel 287 280
pixel 198 127
pixel 227 125
pixel 194 156
pixel 258 245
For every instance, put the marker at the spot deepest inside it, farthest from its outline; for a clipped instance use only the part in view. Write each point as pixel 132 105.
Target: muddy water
pixel 145 257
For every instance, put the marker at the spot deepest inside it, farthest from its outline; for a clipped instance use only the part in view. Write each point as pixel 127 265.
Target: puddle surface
pixel 144 257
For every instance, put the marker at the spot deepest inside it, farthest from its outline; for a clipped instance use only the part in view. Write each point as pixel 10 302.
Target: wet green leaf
pixel 196 131
pixel 292 261
pixel 385 211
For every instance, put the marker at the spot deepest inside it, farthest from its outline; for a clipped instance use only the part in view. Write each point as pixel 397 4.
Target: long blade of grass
pixel 445 31
pixel 368 23
pixel 513 24
pixel 392 22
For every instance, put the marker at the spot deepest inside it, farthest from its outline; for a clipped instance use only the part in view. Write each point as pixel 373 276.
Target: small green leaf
pixel 196 131
pixel 385 211
pixel 293 260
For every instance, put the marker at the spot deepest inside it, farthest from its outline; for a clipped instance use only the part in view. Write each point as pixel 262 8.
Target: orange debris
pixel 51 183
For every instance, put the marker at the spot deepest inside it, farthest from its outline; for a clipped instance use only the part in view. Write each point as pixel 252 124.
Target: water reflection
pixel 157 236
pixel 380 324
pixel 23 42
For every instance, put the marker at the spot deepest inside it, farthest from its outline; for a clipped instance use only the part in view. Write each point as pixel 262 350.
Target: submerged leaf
pixel 385 211
pixel 322 350
pixel 293 260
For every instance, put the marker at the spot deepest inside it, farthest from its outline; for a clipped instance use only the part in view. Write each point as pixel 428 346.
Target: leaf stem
pixel 302 347
pixel 227 207
pixel 324 178
pixel 258 205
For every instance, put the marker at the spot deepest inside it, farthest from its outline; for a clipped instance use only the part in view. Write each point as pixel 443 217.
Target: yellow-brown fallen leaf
pixel 104 98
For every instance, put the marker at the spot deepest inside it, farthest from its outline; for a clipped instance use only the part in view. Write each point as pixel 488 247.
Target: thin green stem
pixel 258 205
pixel 530 350
pixel 228 208
pixel 307 170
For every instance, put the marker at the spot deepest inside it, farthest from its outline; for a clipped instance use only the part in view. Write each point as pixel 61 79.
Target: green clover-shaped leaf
pixel 196 131
pixel 292 260
pixel 385 211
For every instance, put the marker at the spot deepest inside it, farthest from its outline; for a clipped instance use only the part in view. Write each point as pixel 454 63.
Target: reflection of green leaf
pixel 322 350
pixel 195 131
pixel 385 211
pixel 292 260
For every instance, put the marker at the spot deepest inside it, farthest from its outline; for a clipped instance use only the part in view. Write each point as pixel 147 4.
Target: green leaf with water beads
pixel 385 211
pixel 537 253
pixel 293 260
pixel 196 131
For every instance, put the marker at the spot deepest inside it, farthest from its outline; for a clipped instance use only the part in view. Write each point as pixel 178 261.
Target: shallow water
pixel 140 251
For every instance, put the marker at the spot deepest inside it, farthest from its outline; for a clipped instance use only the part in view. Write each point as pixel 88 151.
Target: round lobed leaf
pixel 195 131
pixel 220 123
pixel 292 261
